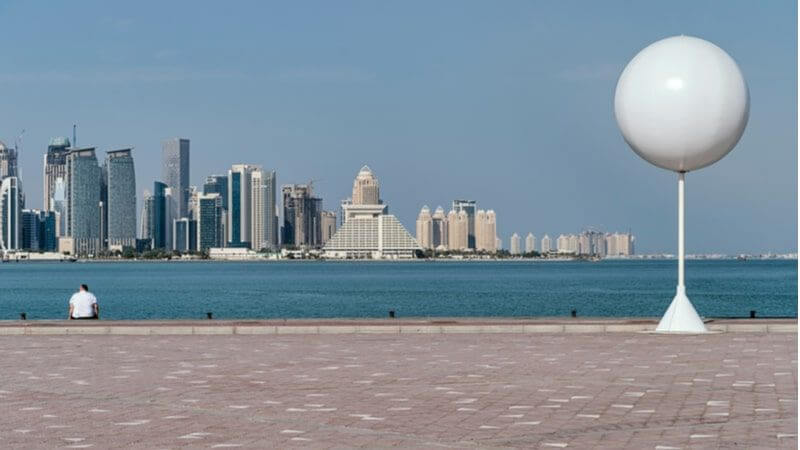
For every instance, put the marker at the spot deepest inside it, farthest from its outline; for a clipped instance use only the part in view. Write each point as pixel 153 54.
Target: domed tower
pixel 366 189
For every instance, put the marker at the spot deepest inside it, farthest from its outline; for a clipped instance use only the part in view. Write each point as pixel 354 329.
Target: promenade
pixel 85 386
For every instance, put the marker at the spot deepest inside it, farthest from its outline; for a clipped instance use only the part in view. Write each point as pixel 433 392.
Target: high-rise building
pixel 425 228
pixel 619 244
pixel 439 222
pixel 599 244
pixel 217 184
pixel 209 221
pixel 302 225
pixel 120 205
pixel 84 183
pixel 29 239
pixel 530 243
pixel 239 214
pixel 184 232
pixel 516 245
pixel 264 218
pixel 343 205
pixel 328 222
pixel 59 205
pixel 498 243
pixel 485 230
pixel 546 245
pixel 367 230
pixel 147 213
pixel 55 170
pixel 175 171
pixel 468 206
pixel 366 189
pixel 11 205
pixel 562 243
pixel 170 214
pixel 573 246
pixel 458 230
pixel 8 162
pixel 39 230
pixel 158 212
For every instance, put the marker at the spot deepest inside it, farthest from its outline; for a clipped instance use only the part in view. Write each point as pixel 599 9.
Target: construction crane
pixel 311 185
pixel 18 140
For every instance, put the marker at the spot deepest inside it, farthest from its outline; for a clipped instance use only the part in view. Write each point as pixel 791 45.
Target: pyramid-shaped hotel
pixel 367 231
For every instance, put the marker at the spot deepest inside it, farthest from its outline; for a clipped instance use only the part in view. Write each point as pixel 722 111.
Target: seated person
pixel 83 305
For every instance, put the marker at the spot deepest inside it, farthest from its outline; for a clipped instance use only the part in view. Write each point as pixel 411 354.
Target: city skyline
pixel 540 98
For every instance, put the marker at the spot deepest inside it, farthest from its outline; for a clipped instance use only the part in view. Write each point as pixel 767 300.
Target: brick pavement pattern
pixel 622 390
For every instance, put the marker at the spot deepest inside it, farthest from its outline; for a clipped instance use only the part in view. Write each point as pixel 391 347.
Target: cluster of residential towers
pixel 587 243
pixel 463 228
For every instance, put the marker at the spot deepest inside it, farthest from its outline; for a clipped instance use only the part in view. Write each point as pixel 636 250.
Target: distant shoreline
pixel 420 260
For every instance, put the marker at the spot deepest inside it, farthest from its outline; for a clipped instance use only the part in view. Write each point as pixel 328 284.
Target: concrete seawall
pixel 375 326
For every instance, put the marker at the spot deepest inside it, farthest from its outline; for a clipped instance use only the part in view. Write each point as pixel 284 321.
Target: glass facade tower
pixel 121 198
pixel 175 171
pixel 84 178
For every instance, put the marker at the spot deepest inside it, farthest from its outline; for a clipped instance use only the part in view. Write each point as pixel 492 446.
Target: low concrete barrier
pixel 472 326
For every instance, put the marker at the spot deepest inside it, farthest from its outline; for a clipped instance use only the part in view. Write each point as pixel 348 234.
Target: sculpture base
pixel 681 317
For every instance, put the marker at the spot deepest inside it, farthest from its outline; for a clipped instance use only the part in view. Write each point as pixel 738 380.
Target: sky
pixel 507 103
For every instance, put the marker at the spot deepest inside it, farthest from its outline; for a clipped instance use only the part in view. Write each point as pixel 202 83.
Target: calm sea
pixel 304 289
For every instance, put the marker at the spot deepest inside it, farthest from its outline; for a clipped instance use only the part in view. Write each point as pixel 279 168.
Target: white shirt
pixel 81 303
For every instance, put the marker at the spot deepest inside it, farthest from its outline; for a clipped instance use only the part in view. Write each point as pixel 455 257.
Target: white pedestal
pixel 681 317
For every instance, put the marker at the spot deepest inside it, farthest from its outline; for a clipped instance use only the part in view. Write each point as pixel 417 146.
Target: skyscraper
pixel 218 184
pixel 368 231
pixel 485 230
pixel 619 244
pixel 468 206
pixel 158 216
pixel 239 215
pixel 264 217
pixel 458 230
pixel 121 199
pixel 546 245
pixel 58 204
pixel 366 189
pixel 425 228
pixel 8 162
pixel 38 230
pixel 439 222
pixel 184 235
pixel 209 221
pixel 516 244
pixel 530 243
pixel 55 170
pixel 302 225
pixel 175 171
pixel 328 222
pixel 84 181
pixel 170 214
pixel 147 213
pixel 10 213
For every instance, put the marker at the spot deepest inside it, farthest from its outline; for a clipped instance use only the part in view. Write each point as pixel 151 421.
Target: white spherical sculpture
pixel 682 103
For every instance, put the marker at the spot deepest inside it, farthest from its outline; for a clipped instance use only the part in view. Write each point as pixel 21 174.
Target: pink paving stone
pixel 463 390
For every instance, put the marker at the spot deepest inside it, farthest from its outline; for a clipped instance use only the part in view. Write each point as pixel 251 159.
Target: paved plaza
pixel 589 390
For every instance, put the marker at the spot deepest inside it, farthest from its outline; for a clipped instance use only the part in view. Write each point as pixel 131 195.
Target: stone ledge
pixel 464 328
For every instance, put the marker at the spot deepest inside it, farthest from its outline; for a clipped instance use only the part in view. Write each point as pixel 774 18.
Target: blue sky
pixel 508 103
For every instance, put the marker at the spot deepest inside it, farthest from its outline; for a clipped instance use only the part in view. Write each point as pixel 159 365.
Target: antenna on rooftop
pixel 74 137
